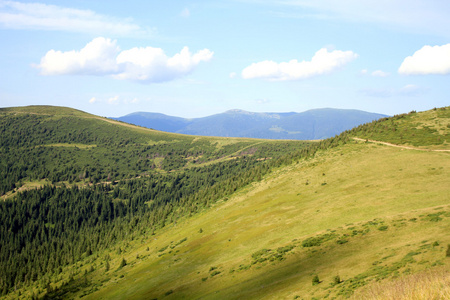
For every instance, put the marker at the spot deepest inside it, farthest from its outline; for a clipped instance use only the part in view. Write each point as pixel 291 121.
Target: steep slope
pixel 376 216
pixel 309 125
pixel 351 214
pixel 74 184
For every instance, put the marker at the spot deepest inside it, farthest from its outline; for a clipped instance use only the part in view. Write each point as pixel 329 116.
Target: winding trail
pixel 399 146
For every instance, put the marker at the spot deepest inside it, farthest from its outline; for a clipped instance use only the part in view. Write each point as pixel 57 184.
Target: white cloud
pixel 132 101
pixel 262 101
pixel 102 56
pixel 322 62
pixel 409 90
pixel 38 16
pixel 153 65
pixel 185 13
pixel 412 90
pixel 98 57
pixel 427 16
pixel 379 73
pixel 232 74
pixel 427 60
pixel 113 100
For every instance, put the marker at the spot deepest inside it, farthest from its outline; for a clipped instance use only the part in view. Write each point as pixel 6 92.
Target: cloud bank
pixel 427 60
pixel 38 16
pixel 323 62
pixel 102 57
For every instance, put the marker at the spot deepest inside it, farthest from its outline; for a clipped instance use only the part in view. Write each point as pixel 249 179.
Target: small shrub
pixel 447 253
pixel 315 280
pixel 214 273
pixel 435 244
pixel 337 279
pixel 383 228
pixel 168 292
pixel 123 263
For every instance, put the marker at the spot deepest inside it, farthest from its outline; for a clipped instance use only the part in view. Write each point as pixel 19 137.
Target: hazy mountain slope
pixel 309 125
pixel 360 211
pixel 156 121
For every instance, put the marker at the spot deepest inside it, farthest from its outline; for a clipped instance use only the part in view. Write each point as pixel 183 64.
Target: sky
pixel 197 58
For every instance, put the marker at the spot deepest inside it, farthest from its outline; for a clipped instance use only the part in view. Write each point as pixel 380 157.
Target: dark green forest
pixel 100 183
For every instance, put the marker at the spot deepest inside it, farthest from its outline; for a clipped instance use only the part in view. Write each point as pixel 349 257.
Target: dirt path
pixel 398 146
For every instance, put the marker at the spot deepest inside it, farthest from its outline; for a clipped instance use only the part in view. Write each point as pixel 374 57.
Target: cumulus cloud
pixel 427 60
pixel 323 62
pixel 102 56
pixel 153 65
pixel 38 16
pixel 379 73
pixel 98 57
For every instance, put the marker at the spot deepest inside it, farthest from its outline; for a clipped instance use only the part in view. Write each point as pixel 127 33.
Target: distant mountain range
pixel 309 125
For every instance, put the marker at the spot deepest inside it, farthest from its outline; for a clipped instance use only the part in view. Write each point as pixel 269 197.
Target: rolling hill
pixel 357 216
pixel 309 125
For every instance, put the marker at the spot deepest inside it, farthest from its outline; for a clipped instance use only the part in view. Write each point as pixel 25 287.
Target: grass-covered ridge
pixel 425 129
pixel 349 212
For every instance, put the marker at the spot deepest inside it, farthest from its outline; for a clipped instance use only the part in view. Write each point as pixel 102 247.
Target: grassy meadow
pixel 364 212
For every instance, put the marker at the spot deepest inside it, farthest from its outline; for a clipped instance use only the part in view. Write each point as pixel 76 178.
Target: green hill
pixel 356 213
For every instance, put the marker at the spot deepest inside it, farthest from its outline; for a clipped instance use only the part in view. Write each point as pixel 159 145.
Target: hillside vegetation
pixel 321 220
pixel 74 184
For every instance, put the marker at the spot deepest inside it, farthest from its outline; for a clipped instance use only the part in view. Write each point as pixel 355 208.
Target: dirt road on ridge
pixel 398 146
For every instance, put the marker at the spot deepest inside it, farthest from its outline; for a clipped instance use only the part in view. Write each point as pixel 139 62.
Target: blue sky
pixel 197 58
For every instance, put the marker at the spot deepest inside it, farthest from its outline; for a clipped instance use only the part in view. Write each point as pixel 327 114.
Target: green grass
pixel 256 238
pixel 429 129
pixel 364 212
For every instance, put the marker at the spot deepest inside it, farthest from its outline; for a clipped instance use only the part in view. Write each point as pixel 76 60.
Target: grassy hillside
pixel 363 217
pixel 74 184
pixel 367 213
pixel 430 129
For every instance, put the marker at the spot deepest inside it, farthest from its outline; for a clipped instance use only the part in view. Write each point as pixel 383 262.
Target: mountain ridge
pixel 309 125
